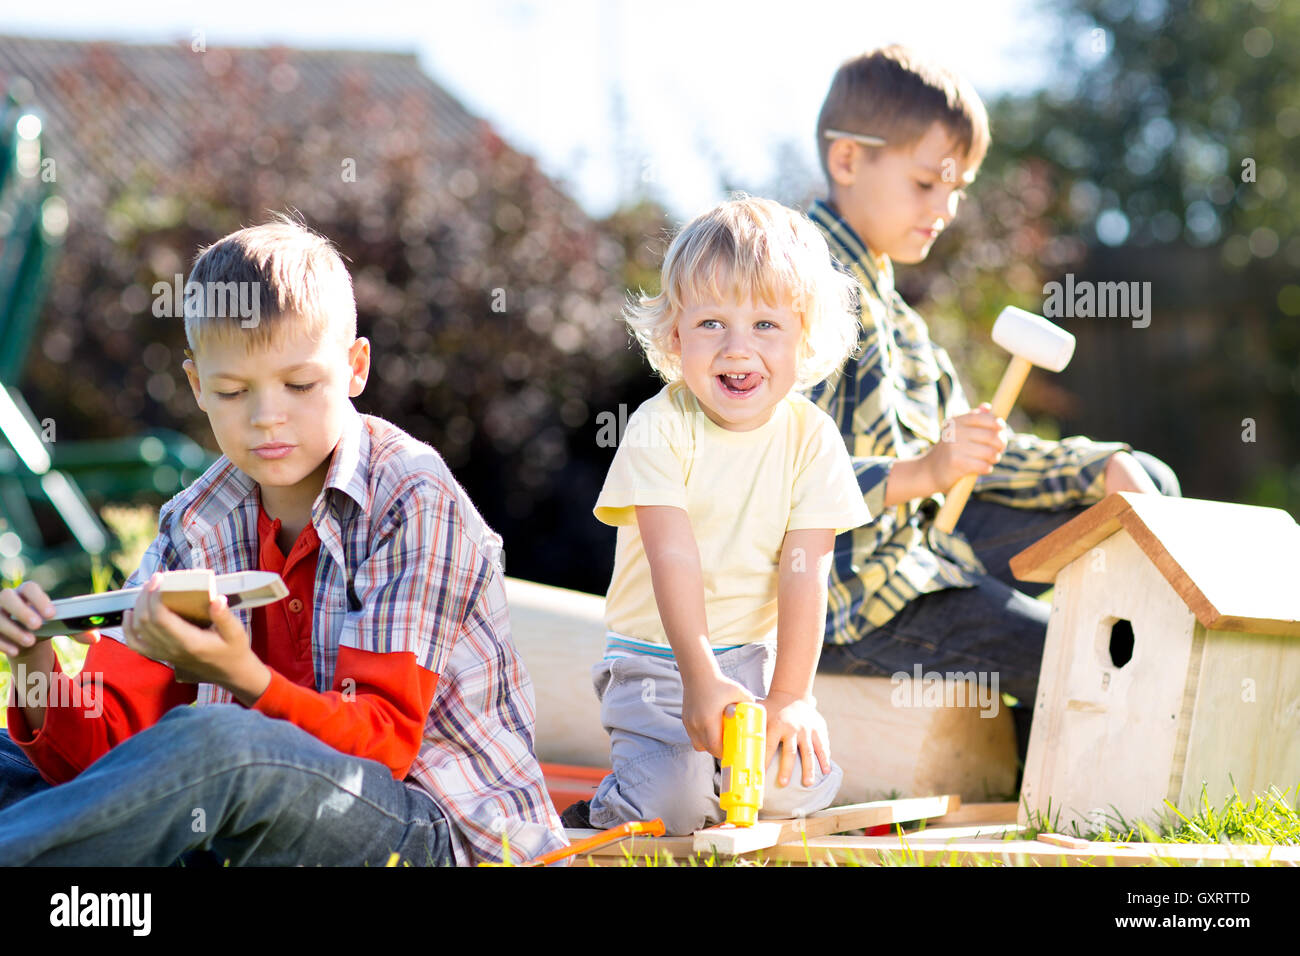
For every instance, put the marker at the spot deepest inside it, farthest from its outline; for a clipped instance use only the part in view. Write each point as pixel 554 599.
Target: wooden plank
pixel 1043 559
pixel 1245 727
pixel 990 831
pixel 1208 551
pixel 1104 737
pixel 874 851
pixel 1060 839
pixel 731 841
pixel 840 850
pixel 977 813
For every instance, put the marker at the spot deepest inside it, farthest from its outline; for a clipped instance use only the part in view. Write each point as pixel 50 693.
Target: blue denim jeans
pixel 206 785
pixel 997 626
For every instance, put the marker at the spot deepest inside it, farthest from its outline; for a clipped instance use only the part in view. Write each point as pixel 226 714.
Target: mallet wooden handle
pixel 1003 401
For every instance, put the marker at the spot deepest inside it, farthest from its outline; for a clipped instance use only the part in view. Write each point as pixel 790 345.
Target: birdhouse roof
pixel 1234 566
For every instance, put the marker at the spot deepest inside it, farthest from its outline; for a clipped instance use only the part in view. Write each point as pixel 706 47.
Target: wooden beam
pixel 971 832
pixel 839 850
pixel 732 841
pixel 1060 839
pixel 969 813
pixel 875 851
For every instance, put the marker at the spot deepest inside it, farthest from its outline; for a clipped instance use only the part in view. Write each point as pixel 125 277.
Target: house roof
pixel 1236 567
pixel 157 90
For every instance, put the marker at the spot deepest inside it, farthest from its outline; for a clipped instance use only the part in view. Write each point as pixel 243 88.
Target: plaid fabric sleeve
pixel 418 583
pixel 859 406
pixel 161 555
pixel 1049 475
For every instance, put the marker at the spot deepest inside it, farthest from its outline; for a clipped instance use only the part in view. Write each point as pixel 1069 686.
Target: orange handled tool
pixel 653 827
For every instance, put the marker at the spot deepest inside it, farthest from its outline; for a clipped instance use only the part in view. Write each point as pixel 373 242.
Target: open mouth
pixel 739 384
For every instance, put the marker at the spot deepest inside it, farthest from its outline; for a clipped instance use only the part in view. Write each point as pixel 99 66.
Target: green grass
pixel 1268 819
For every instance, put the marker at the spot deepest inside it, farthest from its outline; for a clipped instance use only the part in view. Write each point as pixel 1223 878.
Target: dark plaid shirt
pixel 890 402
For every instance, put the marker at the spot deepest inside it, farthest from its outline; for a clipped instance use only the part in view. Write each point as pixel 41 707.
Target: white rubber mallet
pixel 1031 340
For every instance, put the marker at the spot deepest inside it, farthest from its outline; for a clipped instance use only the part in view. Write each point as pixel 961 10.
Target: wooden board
pixel 1104 738
pixel 874 851
pixel 969 813
pixel 986 831
pixel 1220 558
pixel 730 841
pixel 877 850
pixel 1244 728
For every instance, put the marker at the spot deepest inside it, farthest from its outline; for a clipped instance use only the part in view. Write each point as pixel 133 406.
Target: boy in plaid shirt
pixel 380 709
pixel 900 139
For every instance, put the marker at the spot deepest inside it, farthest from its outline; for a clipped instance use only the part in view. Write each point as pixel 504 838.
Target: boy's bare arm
pixel 801 623
pixel 678 582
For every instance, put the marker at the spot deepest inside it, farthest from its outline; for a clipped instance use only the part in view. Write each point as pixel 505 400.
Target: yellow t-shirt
pixel 743 490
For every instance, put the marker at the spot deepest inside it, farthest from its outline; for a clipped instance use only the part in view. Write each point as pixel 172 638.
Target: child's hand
pixel 795 724
pixel 221 654
pixel 28 606
pixel 971 444
pixel 703 701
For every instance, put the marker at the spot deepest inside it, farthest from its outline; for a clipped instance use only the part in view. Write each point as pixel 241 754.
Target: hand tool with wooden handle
pixel 1031 340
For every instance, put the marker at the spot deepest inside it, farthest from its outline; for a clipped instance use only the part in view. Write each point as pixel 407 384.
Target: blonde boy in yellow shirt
pixel 727 490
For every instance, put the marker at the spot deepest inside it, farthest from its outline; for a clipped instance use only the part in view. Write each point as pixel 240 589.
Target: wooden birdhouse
pixel 1172 659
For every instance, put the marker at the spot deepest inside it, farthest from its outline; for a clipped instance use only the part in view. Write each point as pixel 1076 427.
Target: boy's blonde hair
pixel 290 272
pixel 752 250
pixel 893 93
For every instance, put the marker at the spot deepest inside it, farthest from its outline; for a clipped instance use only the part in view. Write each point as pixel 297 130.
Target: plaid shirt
pixel 406 564
pixel 890 403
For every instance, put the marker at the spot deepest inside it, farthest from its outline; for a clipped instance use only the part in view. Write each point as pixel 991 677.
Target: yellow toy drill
pixel 744 739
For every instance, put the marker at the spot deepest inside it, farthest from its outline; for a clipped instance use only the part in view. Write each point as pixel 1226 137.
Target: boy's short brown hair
pixel 893 93
pixel 284 271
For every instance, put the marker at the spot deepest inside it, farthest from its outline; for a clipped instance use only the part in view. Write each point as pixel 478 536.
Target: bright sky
pixel 700 85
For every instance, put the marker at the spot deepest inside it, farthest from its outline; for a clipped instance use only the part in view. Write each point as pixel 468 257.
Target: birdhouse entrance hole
pixel 1121 642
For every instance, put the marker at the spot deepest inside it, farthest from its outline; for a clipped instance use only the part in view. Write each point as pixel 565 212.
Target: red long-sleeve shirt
pixel 377 708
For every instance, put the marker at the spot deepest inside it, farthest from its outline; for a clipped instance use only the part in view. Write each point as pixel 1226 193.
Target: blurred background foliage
pixel 1163 151
pixel 1132 166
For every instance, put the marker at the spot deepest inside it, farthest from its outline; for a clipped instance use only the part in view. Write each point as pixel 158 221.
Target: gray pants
pixel 656 771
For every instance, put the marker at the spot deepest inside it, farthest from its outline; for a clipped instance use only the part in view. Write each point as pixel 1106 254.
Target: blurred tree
pixel 490 299
pixel 1170 127
pixel 1162 150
